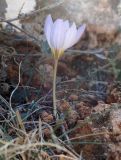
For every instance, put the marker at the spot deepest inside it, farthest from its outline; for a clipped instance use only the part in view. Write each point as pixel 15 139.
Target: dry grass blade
pixel 10 150
pixel 10 101
pixel 20 121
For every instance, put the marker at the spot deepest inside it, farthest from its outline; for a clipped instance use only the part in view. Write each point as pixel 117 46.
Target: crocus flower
pixel 61 35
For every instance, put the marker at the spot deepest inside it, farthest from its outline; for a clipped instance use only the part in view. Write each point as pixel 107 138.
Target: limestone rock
pixel 104 13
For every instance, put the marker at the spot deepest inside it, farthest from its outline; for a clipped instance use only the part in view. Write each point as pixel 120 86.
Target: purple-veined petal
pixel 70 37
pixel 80 31
pixel 58 34
pixel 47 28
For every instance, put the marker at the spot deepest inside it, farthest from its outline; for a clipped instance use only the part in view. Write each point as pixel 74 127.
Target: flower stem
pixel 54 87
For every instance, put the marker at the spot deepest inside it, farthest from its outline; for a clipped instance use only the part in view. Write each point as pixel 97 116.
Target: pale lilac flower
pixel 61 35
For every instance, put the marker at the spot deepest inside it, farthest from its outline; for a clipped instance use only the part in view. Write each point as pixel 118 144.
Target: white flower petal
pixel 80 32
pixel 66 25
pixel 70 37
pixel 48 27
pixel 58 34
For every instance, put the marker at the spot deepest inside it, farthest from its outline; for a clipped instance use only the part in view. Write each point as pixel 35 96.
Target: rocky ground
pixel 88 95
